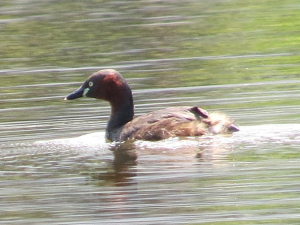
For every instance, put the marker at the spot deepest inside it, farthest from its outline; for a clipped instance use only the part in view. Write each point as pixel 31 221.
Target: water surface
pixel 232 56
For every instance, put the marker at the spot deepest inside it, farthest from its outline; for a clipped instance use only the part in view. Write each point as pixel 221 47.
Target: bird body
pixel 109 85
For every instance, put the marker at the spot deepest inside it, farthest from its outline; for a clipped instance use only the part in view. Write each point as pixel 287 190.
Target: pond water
pixel 230 56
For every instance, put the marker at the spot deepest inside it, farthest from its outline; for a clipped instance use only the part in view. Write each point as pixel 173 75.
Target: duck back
pixel 175 121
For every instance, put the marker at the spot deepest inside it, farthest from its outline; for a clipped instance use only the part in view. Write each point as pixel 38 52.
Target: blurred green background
pixel 201 42
pixel 49 47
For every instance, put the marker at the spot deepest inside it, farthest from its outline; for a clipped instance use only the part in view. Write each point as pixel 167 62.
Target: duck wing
pixel 165 123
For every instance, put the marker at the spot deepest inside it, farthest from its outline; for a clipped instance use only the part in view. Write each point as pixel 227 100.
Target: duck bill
pixel 76 94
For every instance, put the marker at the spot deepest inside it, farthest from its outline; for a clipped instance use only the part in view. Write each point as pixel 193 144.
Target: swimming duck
pixel 109 85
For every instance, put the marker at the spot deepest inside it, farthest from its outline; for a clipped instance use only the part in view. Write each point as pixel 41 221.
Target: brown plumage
pixel 160 124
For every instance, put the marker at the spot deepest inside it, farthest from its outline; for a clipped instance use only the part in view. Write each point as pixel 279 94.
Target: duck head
pixel 109 85
pixel 106 84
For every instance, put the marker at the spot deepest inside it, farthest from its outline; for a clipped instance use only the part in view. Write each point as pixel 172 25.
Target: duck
pixel 180 121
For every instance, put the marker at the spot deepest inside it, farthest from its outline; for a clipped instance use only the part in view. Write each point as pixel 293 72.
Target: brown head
pixel 109 85
pixel 106 84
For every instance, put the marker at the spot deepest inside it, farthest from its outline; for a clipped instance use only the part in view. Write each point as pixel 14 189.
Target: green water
pixel 262 35
pixel 238 57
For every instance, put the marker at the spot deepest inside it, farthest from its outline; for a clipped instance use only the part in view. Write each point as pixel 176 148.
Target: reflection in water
pixel 106 180
pixel 123 160
pixel 124 152
pixel 122 165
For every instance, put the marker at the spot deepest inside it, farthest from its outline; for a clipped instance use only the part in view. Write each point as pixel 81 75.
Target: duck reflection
pixel 122 168
pixel 132 158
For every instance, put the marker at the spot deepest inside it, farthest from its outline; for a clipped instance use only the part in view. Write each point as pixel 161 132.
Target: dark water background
pixel 238 57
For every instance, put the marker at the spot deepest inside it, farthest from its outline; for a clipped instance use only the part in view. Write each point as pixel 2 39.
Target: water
pixel 231 56
pixel 77 180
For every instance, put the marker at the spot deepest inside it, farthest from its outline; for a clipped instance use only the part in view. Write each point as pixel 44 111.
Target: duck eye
pixel 91 84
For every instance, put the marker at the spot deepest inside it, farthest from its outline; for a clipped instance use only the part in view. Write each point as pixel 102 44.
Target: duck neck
pixel 121 113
